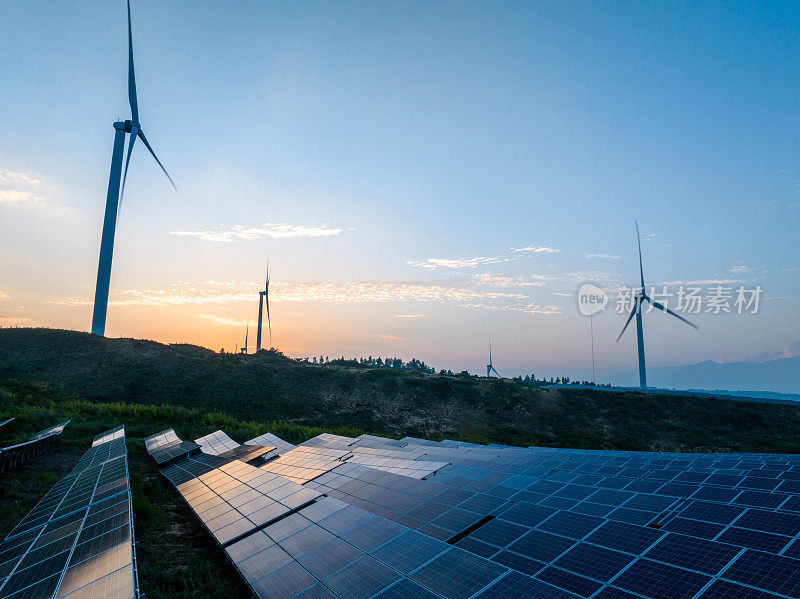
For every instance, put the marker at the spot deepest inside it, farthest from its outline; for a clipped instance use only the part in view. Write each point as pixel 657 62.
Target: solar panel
pixel 115 433
pixel 216 443
pixel 270 440
pixel 165 447
pixel 78 540
pixel 14 455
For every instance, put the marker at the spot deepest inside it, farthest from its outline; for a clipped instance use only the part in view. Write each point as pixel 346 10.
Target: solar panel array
pixel 77 542
pixel 495 521
pixel 14 455
pixel 600 524
pixel 288 540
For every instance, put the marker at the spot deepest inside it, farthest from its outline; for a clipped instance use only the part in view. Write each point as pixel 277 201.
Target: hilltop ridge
pixel 271 387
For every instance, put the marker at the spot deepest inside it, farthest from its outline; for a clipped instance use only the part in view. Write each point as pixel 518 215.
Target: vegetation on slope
pixel 100 383
pixel 269 387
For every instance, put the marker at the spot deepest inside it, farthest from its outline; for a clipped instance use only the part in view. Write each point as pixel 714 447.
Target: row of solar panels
pixel 77 542
pixel 337 517
pixel 14 455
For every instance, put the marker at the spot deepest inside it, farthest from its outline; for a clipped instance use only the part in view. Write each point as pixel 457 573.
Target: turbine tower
pixel 638 300
pixel 114 197
pixel 263 298
pixel 489 367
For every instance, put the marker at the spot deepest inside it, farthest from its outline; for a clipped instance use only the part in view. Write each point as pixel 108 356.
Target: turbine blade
pixel 627 322
pixel 134 129
pixel 639 241
pixel 131 74
pixel 663 308
pixel 147 145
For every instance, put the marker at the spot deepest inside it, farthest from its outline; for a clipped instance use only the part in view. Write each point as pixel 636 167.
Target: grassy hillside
pixel 270 388
pixel 48 376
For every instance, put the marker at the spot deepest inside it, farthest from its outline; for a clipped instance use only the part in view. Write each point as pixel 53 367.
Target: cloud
pixel 13 320
pixel 24 192
pixel 462 293
pixel 10 177
pixel 410 315
pixel 527 308
pixel 705 282
pixel 606 256
pixel 537 249
pixel 741 269
pixel 3 295
pixel 15 196
pixel 495 280
pixel 562 294
pixel 273 230
pixel 391 338
pixel 459 263
pixel 789 350
pixel 226 321
pixel 19 189
pixel 431 263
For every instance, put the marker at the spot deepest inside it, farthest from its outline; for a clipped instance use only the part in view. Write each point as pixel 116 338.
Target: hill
pixel 269 388
pixel 777 376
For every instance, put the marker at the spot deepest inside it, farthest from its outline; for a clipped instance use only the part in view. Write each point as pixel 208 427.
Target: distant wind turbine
pixel 263 297
pixel 639 298
pixel 489 367
pixel 246 333
pixel 114 197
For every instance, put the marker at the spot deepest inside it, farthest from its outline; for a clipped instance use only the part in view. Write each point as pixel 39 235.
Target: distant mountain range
pixel 778 376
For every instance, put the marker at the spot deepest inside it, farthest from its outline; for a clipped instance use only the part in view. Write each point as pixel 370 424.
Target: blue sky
pixel 374 151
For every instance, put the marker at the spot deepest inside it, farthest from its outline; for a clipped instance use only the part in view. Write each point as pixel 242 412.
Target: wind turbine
pixel 263 297
pixel 638 300
pixel 246 333
pixel 114 197
pixel 489 367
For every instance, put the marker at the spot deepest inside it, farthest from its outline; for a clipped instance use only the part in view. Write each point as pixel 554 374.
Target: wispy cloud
pixel 226 321
pixel 475 261
pixel 13 320
pixel 17 197
pixel 605 256
pixel 19 189
pixel 739 269
pixel 537 249
pixel 431 263
pixel 562 294
pixel 3 295
pixel 496 280
pixel 705 282
pixel 273 230
pixel 25 192
pixel 391 338
pixel 462 293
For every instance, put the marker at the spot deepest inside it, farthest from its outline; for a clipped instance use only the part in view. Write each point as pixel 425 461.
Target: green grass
pixel 49 376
